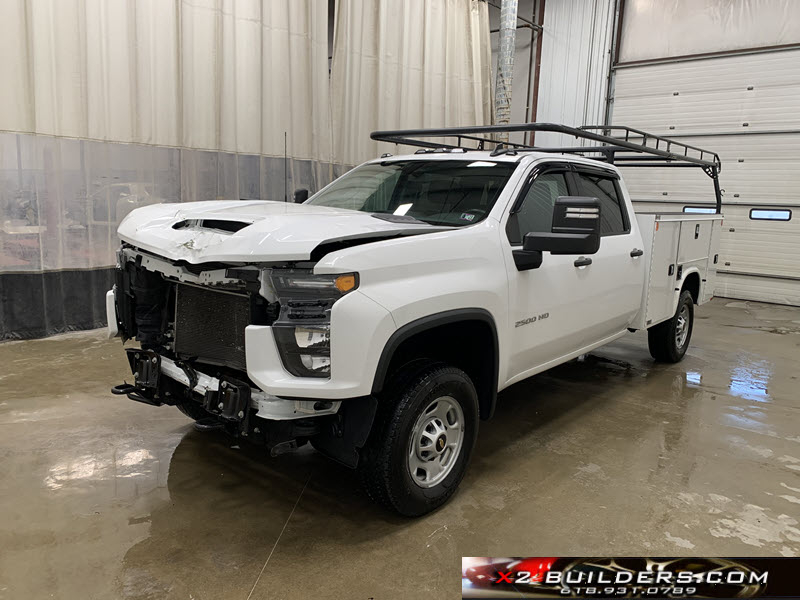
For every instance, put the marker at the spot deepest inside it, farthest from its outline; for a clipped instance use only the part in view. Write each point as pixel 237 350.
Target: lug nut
pixel 154 360
pixel 136 356
pixel 220 405
pixel 224 384
pixel 241 414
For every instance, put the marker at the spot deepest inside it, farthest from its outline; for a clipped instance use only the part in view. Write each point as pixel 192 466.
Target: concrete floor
pixel 101 497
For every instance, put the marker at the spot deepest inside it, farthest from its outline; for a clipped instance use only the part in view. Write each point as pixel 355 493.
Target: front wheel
pixel 422 439
pixel 668 341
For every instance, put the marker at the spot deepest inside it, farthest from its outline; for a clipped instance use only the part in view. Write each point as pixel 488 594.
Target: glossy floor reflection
pixel 101 497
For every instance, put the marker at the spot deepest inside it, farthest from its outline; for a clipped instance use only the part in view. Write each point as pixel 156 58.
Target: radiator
pixel 209 326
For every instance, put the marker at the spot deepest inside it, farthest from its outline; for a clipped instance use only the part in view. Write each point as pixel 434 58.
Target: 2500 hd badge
pixel 530 320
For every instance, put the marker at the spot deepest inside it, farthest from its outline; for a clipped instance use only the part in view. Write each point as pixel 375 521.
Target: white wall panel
pixel 759 247
pixel 770 289
pixel 756 169
pixel 713 95
pixel 576 42
pixel 663 28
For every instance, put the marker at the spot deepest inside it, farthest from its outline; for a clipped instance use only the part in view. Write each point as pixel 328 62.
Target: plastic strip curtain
pixel 407 64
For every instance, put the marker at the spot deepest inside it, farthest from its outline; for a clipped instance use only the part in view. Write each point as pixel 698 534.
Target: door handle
pixel 583 262
pixel 636 252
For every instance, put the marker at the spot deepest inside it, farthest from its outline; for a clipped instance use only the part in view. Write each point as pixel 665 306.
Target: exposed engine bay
pixel 190 322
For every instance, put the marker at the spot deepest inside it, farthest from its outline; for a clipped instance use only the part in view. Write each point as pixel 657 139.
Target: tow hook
pixel 134 393
pixel 122 389
pixel 146 368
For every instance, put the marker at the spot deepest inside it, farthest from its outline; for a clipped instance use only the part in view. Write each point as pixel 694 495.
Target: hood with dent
pixel 270 231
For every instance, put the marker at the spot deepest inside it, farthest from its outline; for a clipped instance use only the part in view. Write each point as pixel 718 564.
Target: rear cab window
pixel 605 187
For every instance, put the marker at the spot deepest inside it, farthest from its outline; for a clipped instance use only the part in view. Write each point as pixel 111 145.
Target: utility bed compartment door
pixel 695 239
pixel 661 288
pixel 707 290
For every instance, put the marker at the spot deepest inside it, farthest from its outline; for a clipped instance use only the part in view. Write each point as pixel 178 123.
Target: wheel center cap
pixel 441 442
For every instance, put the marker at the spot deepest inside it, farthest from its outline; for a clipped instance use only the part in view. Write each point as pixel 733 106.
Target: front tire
pixel 668 341
pixel 421 442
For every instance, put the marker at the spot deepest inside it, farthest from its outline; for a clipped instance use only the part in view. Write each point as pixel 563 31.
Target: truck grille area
pixel 210 324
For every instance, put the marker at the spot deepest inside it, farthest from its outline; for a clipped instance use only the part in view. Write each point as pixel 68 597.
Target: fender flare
pixel 487 404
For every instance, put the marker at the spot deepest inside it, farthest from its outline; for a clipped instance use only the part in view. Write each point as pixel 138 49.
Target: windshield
pixel 439 192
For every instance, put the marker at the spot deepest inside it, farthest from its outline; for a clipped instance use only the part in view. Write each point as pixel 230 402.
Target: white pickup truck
pixel 380 318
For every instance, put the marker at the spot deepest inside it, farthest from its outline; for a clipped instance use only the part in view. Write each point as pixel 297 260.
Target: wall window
pixel 704 210
pixel 536 212
pixel 770 214
pixel 613 219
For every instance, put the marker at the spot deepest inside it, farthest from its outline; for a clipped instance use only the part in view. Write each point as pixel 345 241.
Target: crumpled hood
pixel 271 231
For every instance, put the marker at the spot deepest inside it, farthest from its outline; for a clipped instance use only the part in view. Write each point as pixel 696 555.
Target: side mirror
pixel 575 230
pixel 300 196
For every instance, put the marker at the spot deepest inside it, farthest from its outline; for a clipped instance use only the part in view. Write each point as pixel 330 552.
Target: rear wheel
pixel 668 341
pixel 422 439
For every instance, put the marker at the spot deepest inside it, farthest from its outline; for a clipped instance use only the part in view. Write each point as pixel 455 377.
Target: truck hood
pixel 238 231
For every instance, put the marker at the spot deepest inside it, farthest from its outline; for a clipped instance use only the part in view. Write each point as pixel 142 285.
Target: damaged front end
pixel 190 322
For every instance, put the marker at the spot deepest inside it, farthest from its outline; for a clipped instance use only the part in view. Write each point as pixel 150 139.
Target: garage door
pixel 746 107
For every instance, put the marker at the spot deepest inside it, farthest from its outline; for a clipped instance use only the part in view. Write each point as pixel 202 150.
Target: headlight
pixel 303 328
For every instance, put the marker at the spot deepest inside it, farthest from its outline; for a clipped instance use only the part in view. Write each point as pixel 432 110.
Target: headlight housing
pixel 303 328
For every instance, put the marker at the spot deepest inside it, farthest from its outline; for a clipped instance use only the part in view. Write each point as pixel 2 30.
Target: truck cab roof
pixel 512 156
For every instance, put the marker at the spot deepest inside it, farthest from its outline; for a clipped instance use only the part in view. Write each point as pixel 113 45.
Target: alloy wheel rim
pixel 682 327
pixel 436 441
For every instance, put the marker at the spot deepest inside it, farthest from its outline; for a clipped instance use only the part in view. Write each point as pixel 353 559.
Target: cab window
pixel 613 220
pixel 536 211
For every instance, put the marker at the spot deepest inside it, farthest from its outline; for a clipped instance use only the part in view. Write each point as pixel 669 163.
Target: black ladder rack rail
pixel 617 144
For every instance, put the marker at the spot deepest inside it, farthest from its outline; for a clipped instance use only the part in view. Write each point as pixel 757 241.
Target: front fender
pixel 360 328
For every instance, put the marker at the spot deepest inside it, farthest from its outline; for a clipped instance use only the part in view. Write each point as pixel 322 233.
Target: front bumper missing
pixel 227 398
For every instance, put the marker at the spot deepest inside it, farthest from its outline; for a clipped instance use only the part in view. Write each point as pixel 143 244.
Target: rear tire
pixel 422 438
pixel 668 341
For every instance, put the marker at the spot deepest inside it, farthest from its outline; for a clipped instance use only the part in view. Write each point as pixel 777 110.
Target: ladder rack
pixel 616 144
